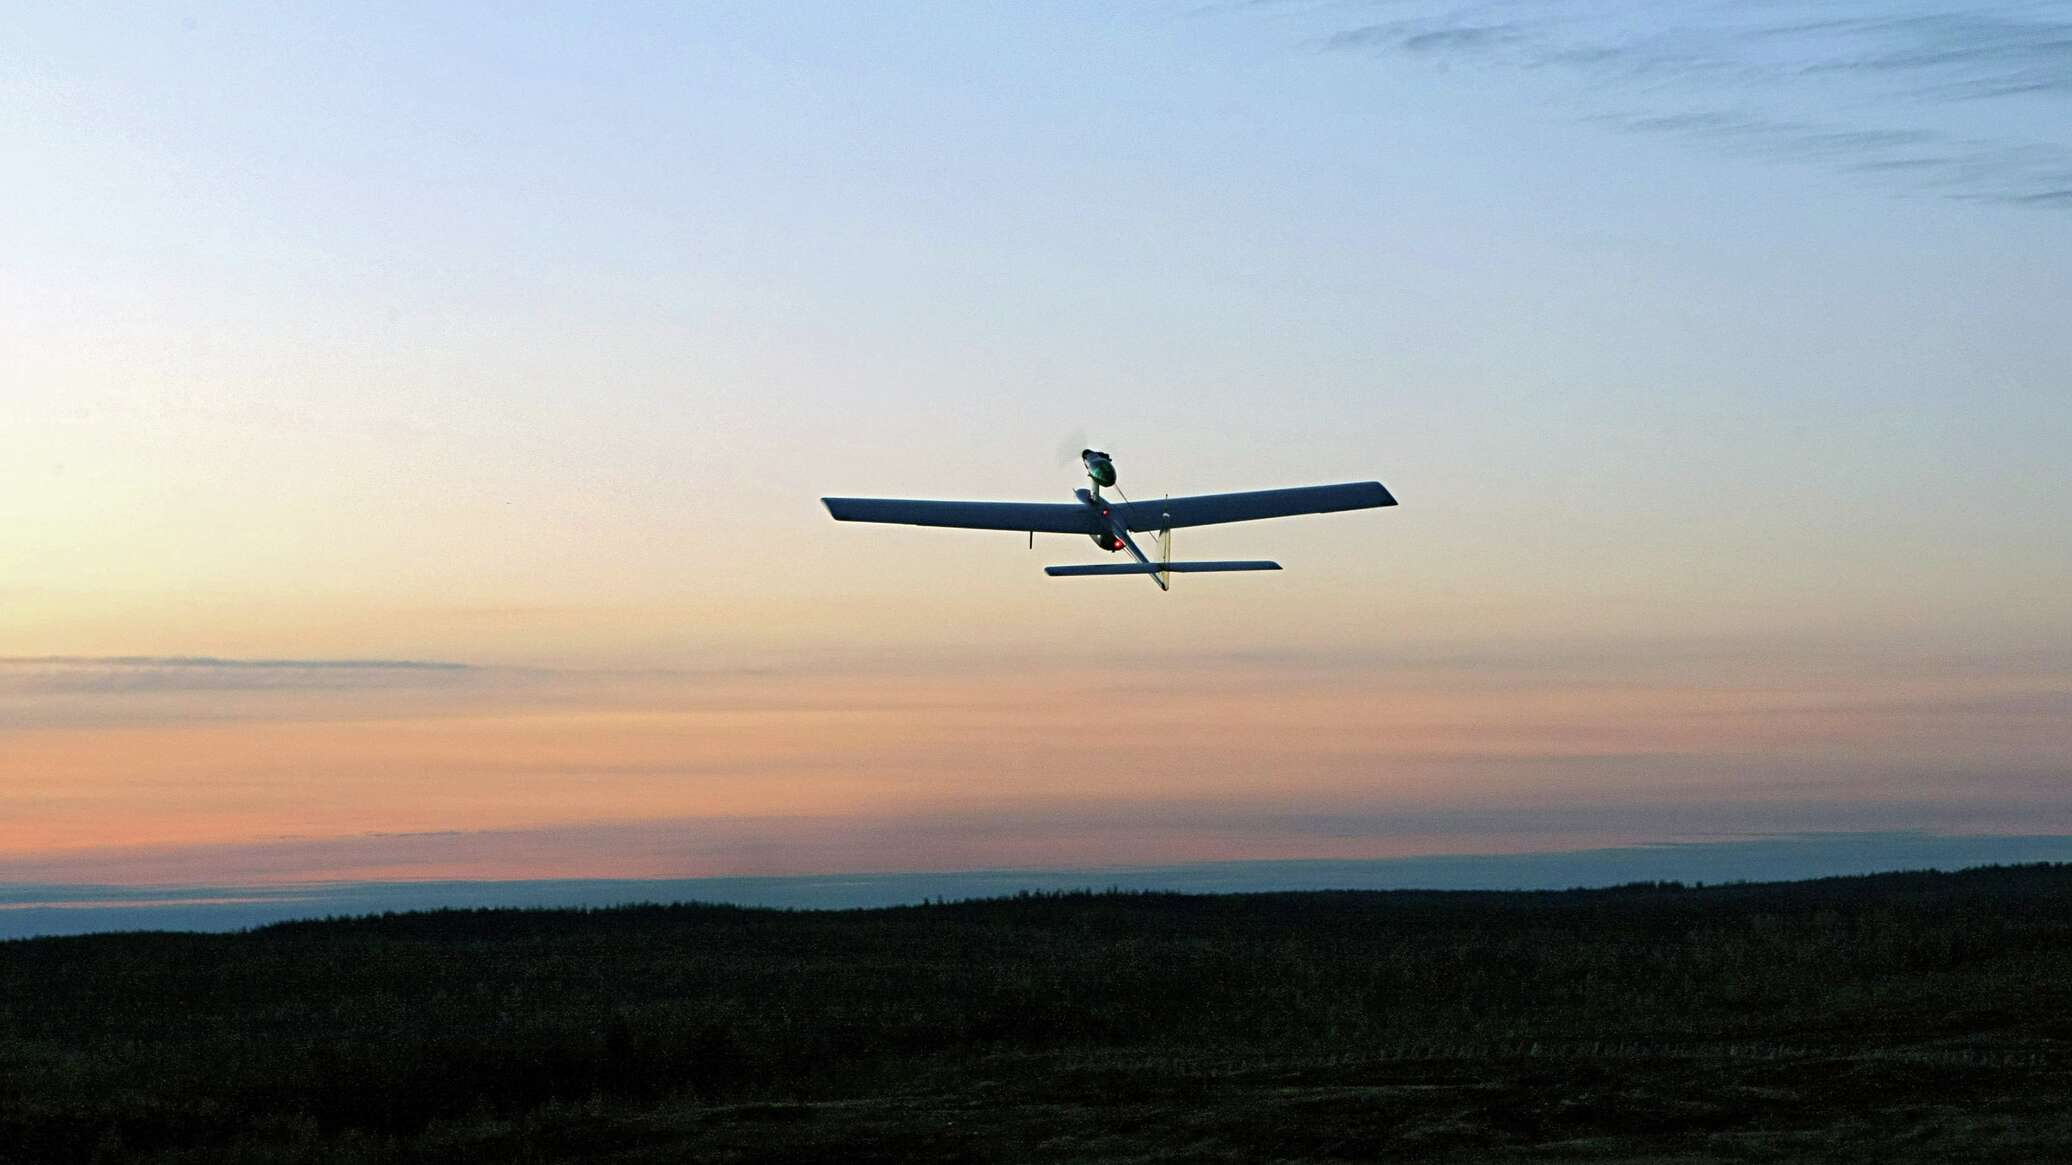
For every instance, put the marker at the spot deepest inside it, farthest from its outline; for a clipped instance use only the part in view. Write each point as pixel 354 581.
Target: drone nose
pixel 1099 467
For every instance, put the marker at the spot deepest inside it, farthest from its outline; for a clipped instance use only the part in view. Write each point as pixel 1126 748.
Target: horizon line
pixel 29 910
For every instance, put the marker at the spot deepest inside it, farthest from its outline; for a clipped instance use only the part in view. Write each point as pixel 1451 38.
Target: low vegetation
pixel 1893 1018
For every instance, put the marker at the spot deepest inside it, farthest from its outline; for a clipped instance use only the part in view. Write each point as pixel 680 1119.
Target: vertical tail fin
pixel 1165 551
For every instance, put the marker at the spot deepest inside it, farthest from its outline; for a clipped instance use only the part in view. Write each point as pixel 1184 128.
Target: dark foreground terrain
pixel 1910 1017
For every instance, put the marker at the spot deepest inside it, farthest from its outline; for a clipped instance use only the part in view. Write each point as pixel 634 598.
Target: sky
pixel 413 419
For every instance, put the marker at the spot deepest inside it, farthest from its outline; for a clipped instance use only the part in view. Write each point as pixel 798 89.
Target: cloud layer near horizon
pixel 654 774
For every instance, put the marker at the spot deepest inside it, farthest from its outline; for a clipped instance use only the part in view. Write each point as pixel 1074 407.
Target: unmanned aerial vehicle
pixel 1110 522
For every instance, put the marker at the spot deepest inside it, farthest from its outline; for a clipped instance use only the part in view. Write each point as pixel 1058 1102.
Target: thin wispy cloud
pixel 214 663
pixel 1019 837
pixel 1969 101
pixel 58 674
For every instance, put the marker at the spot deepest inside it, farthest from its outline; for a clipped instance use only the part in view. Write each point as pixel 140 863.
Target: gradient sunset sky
pixel 413 419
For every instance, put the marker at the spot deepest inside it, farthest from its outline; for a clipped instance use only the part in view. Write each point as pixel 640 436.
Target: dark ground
pixel 1895 1018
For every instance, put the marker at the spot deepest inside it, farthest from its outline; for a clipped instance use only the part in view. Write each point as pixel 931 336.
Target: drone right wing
pixel 1029 517
pixel 1213 509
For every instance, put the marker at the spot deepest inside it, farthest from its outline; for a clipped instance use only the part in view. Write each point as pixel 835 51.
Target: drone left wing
pixel 1031 517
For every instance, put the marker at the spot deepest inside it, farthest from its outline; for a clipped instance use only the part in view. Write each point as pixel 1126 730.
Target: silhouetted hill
pixel 1895 1017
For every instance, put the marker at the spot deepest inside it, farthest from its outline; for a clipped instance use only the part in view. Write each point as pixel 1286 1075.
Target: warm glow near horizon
pixel 152 771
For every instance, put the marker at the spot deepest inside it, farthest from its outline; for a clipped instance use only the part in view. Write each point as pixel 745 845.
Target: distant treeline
pixel 657 1028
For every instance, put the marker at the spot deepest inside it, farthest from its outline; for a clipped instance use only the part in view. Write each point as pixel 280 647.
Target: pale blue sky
pixel 540 288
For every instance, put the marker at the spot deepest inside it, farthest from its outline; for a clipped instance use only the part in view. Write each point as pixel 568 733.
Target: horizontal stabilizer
pixel 1156 568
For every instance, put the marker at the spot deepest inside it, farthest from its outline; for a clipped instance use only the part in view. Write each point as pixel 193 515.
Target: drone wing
pixel 1211 509
pixel 1032 517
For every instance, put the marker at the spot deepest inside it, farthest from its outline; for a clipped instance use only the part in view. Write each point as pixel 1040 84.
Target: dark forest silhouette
pixel 1892 1017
